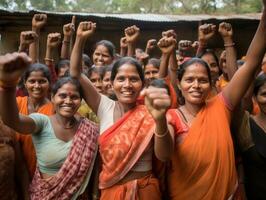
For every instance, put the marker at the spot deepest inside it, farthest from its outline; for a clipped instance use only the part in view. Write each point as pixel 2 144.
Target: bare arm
pixel 12 67
pixel 91 96
pixel 38 21
pixel 68 30
pixel 245 75
pixel 123 46
pixel 26 38
pixel 132 34
pixel 226 31
pixel 157 102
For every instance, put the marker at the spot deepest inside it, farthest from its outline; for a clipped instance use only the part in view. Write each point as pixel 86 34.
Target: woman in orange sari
pixel 127 140
pixel 203 165
pixel 37 82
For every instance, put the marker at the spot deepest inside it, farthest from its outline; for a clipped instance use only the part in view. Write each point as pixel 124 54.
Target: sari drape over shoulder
pixel 67 181
pixel 203 165
pixel 25 141
pixel 121 146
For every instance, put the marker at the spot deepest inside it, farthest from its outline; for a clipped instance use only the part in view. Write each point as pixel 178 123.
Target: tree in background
pixel 137 6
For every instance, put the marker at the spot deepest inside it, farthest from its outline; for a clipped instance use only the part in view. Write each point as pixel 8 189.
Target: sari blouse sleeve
pixel 174 120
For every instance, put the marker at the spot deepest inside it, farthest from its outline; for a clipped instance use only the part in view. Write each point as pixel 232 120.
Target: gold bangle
pixel 161 135
pixel 49 59
pixel 229 45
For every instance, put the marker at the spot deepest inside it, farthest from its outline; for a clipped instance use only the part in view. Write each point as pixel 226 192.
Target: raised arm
pixel 150 46
pixel 226 31
pixel 205 32
pixel 132 34
pixel 38 21
pixel 157 102
pixel 91 96
pixel 167 46
pixel 68 31
pixel 26 38
pixel 242 79
pixel 12 67
pixel 123 46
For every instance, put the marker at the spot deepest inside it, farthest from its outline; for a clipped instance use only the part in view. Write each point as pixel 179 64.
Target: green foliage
pixel 138 6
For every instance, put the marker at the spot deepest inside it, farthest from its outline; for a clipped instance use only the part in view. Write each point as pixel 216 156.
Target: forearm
pixel 65 50
pixel 131 49
pixel 123 51
pixel 231 57
pixel 173 70
pixel 163 71
pixel 202 47
pixel 76 58
pixel 34 47
pixel 163 142
pixel 23 48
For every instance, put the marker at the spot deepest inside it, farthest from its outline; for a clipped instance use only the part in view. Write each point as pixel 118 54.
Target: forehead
pixel 101 49
pixel 150 67
pixel 36 74
pixel 68 87
pixel 95 75
pixel 208 57
pixel 127 69
pixel 196 69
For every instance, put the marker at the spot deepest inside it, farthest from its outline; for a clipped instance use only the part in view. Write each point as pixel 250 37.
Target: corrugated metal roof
pixel 141 17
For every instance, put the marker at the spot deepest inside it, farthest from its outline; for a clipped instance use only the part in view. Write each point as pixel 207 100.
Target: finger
pixel 73 20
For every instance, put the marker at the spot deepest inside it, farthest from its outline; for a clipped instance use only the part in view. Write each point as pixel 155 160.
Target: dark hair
pixel 182 69
pixel 97 70
pixel 64 80
pixel 159 83
pixel 37 67
pixel 86 59
pixel 154 62
pixel 107 68
pixel 61 64
pixel 210 51
pixel 240 63
pixel 109 45
pixel 127 60
pixel 259 81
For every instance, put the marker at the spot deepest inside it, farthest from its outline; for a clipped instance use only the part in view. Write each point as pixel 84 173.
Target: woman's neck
pixel 36 103
pixel 193 109
pixel 126 107
pixel 65 122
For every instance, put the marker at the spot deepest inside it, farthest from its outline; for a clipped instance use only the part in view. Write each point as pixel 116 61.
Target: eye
pixel 120 78
pixel 43 81
pixel 134 79
pixel 75 97
pixel 189 80
pixel 31 81
pixel 62 95
pixel 204 81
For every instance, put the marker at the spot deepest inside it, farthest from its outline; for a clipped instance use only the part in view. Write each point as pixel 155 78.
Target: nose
pixel 196 83
pixel 68 100
pixel 127 83
pixel 37 84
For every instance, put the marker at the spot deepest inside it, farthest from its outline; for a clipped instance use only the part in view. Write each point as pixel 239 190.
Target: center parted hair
pixel 127 60
pixel 37 67
pixel 182 69
pixel 109 46
pixel 62 81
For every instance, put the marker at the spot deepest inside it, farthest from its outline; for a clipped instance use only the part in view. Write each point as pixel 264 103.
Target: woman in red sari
pixel 127 140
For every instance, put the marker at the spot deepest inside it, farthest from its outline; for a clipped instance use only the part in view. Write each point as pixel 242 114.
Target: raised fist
pixel 169 33
pixel 85 29
pixel 225 30
pixel 53 40
pixel 27 37
pixel 167 45
pixel 12 67
pixel 132 33
pixel 151 44
pixel 39 20
pixel 206 31
pixel 123 42
pixel 184 45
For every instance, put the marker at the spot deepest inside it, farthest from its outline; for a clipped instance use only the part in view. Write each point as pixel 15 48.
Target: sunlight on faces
pixel 96 80
pixel 195 85
pixel 213 65
pixel 150 73
pixel 101 56
pixel 107 84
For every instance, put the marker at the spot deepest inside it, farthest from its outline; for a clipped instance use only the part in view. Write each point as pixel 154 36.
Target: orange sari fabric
pixel 26 140
pixel 203 165
pixel 147 188
pixel 121 146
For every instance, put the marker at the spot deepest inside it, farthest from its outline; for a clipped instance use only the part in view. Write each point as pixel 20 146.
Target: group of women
pixel 134 142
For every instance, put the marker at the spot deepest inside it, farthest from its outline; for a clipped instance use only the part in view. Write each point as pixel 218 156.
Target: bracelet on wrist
pixel 49 59
pixel 161 135
pixel 229 44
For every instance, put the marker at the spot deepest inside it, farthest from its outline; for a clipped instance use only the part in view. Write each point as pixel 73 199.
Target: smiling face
pixel 101 56
pixel 195 85
pixel 96 80
pixel 66 100
pixel 127 84
pixel 37 85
